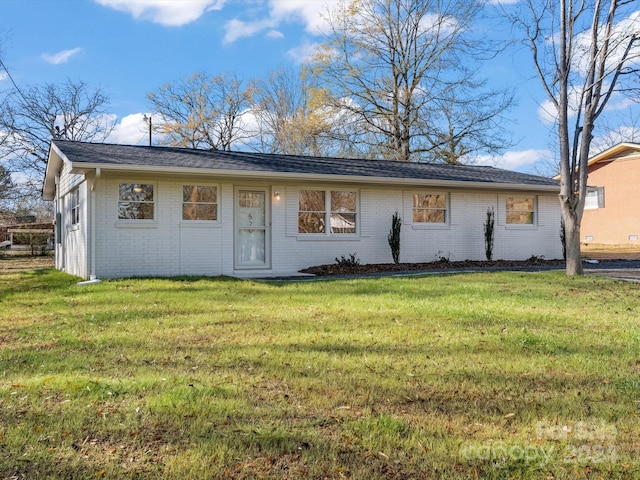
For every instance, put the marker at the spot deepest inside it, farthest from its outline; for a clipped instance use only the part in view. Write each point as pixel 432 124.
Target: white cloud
pixel 171 13
pixel 60 57
pixel 620 102
pixel 236 29
pixel 547 112
pixel 275 34
pixel 303 53
pixel 133 129
pixel 310 12
pixel 514 160
pixel 3 76
pixel 621 134
pixel 622 33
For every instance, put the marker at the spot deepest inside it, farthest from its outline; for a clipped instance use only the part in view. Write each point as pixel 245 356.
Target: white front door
pixel 252 242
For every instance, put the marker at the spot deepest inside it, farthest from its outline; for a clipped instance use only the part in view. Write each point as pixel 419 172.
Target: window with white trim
pixel 136 201
pixel 336 208
pixel 430 208
pixel 520 210
pixel 594 199
pixel 74 199
pixel 199 202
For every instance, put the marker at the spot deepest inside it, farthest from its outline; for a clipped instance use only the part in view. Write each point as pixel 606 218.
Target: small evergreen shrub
pixel 563 238
pixel 350 261
pixel 489 229
pixel 394 237
pixel 443 257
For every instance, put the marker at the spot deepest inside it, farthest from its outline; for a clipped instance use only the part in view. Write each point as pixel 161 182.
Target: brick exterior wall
pixel 619 221
pixel 170 246
pixel 72 248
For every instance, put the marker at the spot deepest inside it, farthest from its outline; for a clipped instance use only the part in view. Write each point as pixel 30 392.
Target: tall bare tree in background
pixel 30 117
pixel 295 115
pixel 202 111
pixel 7 188
pixel 405 70
pixel 585 52
pixel 624 128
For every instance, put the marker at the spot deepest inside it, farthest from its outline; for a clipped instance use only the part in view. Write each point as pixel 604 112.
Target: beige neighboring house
pixel 612 208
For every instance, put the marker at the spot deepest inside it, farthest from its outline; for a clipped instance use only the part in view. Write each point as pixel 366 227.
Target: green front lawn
pixel 496 375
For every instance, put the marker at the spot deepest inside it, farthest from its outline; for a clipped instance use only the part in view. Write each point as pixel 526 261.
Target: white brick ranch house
pixel 126 211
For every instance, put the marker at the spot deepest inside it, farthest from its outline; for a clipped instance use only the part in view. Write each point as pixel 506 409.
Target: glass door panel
pixel 251 232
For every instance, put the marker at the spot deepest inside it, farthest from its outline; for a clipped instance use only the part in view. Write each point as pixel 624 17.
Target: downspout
pixel 58 247
pixel 96 178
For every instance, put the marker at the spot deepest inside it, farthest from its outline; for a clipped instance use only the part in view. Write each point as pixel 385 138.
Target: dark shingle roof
pixel 182 158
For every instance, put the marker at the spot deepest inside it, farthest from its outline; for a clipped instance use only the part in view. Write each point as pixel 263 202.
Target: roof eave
pixel 292 176
pixel 612 151
pixel 55 161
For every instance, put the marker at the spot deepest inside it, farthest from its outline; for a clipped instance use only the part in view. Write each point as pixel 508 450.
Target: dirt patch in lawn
pixel 14 262
pixel 372 268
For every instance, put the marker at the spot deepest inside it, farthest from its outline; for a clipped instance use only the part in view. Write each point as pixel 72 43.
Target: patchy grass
pixel 12 261
pixel 492 375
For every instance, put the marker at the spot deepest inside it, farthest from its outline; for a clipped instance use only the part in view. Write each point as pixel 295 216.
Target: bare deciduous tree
pixel 469 125
pixel 622 128
pixel 6 184
pixel 202 111
pixel 294 115
pixel 404 69
pixel 584 51
pixel 30 117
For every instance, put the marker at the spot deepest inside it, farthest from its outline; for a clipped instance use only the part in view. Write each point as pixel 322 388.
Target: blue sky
pixel 131 47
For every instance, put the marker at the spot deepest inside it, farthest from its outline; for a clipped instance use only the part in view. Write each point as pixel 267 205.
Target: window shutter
pixel 600 197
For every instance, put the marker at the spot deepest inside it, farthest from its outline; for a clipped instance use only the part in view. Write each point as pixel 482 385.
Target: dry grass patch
pixel 15 262
pixel 605 252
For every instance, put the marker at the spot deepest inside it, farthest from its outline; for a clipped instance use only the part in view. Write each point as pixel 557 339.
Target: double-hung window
pixel 594 199
pixel 327 212
pixel 199 202
pixel 430 208
pixel 521 210
pixel 136 201
pixel 74 198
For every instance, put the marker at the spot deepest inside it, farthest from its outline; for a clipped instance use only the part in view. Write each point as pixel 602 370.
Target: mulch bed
pixel 371 268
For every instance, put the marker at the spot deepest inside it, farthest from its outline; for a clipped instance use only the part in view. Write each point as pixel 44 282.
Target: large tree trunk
pixel 572 238
pixel 580 62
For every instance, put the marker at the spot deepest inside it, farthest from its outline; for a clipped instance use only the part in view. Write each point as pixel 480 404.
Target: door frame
pixel 267 227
